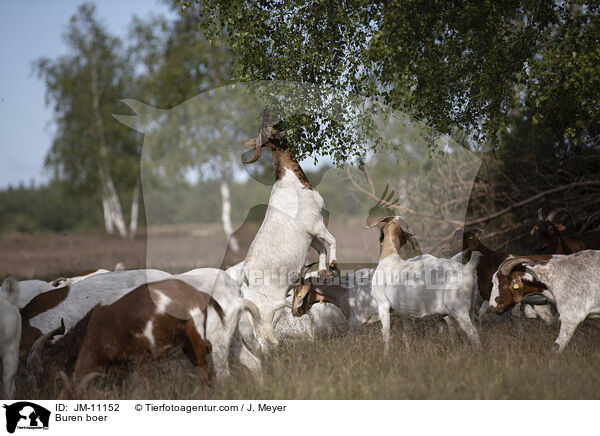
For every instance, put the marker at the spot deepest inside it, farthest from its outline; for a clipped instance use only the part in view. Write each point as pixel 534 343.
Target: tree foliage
pixel 75 154
pixel 454 64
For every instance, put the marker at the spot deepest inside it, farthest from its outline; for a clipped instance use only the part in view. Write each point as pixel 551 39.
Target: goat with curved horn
pixel 34 362
pixel 510 264
pixel 257 151
pixel 79 391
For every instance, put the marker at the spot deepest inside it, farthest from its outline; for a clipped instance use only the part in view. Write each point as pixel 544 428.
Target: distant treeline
pixel 53 208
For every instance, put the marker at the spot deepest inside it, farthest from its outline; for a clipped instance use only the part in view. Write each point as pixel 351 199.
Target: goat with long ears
pixel 550 236
pixel 421 286
pixel 294 222
pixel 569 282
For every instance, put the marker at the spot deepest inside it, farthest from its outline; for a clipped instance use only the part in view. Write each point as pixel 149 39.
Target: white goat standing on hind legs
pixel 293 221
pixel 10 335
pixel 421 286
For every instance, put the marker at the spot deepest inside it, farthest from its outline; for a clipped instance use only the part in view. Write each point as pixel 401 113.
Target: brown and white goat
pixel 350 293
pixel 147 321
pixel 293 222
pixel 488 265
pixel 421 286
pixel 569 282
pixel 551 239
pixel 71 302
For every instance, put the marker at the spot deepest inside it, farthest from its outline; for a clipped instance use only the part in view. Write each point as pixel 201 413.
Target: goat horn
pixel 257 153
pixel 250 143
pixel 540 215
pixel 373 221
pixel 68 386
pixel 532 273
pixel 305 269
pixel 535 299
pixel 85 381
pixel 33 358
pixel 510 264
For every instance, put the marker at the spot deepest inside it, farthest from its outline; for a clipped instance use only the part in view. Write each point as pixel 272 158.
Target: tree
pixel 90 149
pixel 179 64
pixel 454 64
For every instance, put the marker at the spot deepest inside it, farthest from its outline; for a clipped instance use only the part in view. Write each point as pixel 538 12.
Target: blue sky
pixel 29 30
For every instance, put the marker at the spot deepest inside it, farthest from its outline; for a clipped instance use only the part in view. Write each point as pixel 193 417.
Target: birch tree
pixel 178 63
pixel 90 150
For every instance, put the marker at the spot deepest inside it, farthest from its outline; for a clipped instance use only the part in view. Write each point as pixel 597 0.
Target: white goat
pixel 29 289
pixel 10 335
pixel 421 287
pixel 236 334
pixel 293 221
pixel 570 282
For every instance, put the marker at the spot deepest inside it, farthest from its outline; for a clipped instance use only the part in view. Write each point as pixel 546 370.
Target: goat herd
pixel 88 323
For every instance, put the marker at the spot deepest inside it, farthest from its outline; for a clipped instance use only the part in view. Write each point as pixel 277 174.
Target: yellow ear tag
pixel 299 294
pixel 516 286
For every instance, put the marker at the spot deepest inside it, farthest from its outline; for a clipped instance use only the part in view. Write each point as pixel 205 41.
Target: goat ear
pixel 373 221
pixel 411 239
pixel 560 227
pixel 534 229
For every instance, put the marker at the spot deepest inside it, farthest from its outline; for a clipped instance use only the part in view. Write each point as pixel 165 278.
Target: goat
pixel 320 319
pixel 10 335
pixel 288 326
pixel 569 282
pixel 551 239
pixel 237 335
pixel 71 302
pixel 351 294
pixel 293 222
pixel 224 334
pixel 29 289
pixel 415 287
pixel 488 264
pixel 149 320
pixel 81 276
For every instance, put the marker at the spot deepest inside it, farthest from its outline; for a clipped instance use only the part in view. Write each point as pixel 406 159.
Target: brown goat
pixel 149 320
pixel 551 239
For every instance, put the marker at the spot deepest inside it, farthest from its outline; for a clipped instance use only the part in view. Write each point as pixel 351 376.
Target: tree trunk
pixel 226 214
pixel 135 206
pixel 110 197
pixel 108 222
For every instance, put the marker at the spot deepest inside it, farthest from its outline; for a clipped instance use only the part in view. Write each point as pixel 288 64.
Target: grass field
pixel 515 360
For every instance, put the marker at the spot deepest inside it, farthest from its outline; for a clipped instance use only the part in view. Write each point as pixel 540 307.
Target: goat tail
pixel 10 290
pixel 252 309
pixel 264 332
pixel 215 305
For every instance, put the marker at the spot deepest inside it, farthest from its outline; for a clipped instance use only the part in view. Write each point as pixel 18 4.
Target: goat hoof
pixel 324 274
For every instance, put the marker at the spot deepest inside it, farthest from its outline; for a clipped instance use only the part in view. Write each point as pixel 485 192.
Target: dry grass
pixel 515 361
